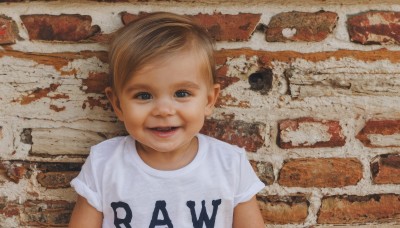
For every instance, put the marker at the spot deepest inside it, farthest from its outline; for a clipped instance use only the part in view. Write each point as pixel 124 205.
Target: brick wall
pixel 312 91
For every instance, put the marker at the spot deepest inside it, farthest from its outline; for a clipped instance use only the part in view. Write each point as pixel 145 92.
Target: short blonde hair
pixel 154 36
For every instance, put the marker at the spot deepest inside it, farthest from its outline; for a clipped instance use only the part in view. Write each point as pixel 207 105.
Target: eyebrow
pixel 187 84
pixel 184 84
pixel 136 87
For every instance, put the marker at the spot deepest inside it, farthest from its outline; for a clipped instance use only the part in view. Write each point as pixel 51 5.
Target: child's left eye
pixel 182 93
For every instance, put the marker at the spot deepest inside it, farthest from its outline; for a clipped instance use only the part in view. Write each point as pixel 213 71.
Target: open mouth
pixel 164 132
pixel 164 129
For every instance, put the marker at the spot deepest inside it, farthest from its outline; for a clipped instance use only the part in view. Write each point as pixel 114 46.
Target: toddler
pixel 165 173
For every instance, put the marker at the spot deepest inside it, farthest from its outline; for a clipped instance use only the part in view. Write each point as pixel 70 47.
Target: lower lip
pixel 164 134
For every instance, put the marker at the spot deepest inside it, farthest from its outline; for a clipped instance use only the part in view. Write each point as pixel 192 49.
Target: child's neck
pixel 168 160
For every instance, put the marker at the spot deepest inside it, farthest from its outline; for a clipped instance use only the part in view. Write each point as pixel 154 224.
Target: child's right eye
pixel 143 96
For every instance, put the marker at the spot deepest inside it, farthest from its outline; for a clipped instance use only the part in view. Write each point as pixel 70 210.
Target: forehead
pixel 184 64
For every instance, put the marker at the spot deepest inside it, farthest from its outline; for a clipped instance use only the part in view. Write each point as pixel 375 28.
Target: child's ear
pixel 212 98
pixel 113 98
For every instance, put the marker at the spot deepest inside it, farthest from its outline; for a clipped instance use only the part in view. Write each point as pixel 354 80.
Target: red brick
pixel 385 169
pixel 96 82
pixel 373 27
pixel 222 27
pixel 8 30
pixel 72 27
pixel 359 209
pixel 264 170
pixel 127 18
pixel 237 132
pixel 310 133
pixel 46 213
pixel 56 179
pixel 301 26
pixel 380 133
pixel 320 172
pixel 283 209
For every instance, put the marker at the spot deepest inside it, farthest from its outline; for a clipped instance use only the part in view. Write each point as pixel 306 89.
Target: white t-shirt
pixel 129 193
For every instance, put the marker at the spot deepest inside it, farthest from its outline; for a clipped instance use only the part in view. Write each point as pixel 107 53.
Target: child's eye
pixel 143 96
pixel 182 93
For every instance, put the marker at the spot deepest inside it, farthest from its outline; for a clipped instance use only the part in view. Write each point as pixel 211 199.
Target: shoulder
pixel 105 149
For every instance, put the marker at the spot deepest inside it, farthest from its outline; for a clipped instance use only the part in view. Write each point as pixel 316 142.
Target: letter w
pixel 203 218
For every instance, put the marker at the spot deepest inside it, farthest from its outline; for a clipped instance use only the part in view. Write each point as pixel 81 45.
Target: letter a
pixel 160 206
pixel 203 218
pixel 128 216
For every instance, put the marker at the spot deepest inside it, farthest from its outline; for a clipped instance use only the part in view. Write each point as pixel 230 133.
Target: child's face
pixel 164 104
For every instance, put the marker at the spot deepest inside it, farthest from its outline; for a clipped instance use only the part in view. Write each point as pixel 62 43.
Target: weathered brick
pixel 382 27
pixel 63 141
pixel 57 85
pixel 7 208
pixel 283 209
pixel 359 209
pixel 223 79
pixel 50 174
pixel 301 26
pixel 15 171
pixel 264 170
pixel 110 0
pixel 101 102
pixel 335 78
pixel 40 93
pixel 385 169
pixel 380 133
pixel 222 27
pixel 266 58
pixel 237 132
pixel 47 213
pixel 72 27
pixel 56 179
pixel 320 172
pixel 58 60
pixel 8 30
pixel 308 132
pixel 228 100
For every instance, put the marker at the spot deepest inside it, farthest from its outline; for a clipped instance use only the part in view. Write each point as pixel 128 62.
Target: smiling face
pixel 164 104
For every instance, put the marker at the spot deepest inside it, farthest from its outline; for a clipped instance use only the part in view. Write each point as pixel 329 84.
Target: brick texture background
pixel 311 90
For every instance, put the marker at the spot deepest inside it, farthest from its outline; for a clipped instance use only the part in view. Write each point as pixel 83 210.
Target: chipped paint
pixel 384 140
pixel 306 134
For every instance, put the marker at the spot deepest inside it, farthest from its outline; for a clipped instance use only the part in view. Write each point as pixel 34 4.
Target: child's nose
pixel 164 107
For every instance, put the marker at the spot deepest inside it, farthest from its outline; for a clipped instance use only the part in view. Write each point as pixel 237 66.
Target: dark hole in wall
pixel 26 136
pixel 261 81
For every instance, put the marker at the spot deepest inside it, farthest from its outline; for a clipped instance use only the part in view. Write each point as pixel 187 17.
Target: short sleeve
pixel 86 184
pixel 248 182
